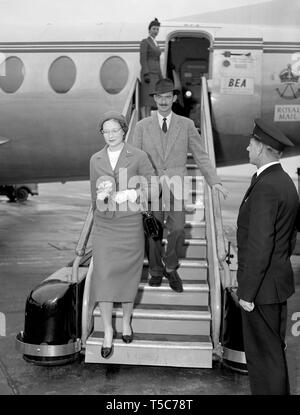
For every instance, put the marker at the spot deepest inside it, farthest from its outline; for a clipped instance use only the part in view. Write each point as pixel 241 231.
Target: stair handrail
pixel 131 113
pixel 221 279
pixel 132 103
pixel 82 244
pixel 222 242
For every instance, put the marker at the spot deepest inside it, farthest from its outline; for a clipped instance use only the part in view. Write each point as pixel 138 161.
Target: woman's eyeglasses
pixel 113 131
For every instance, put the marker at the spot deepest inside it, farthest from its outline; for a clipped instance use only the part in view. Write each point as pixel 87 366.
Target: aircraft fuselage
pixel 53 88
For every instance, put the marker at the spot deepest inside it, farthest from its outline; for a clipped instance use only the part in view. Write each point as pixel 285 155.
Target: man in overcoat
pixel 167 137
pixel 266 239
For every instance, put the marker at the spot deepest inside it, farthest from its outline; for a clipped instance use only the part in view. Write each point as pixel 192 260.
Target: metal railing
pixel 220 276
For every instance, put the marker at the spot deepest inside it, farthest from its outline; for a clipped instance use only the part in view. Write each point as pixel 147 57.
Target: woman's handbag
pixel 152 227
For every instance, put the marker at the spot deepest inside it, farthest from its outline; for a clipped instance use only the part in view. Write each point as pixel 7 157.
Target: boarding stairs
pixel 170 329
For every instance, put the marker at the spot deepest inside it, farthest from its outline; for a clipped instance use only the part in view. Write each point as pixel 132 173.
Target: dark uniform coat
pixel 266 237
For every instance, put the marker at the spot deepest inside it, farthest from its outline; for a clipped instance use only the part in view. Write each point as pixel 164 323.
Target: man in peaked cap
pixel 167 137
pixel 266 239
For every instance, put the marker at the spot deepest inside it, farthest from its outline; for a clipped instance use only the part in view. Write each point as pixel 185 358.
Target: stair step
pixel 151 318
pixel 154 350
pixel 194 212
pixel 189 269
pixel 197 184
pixel 193 248
pixel 199 192
pixel 192 165
pixel 195 229
pixel 192 229
pixel 196 197
pixel 195 293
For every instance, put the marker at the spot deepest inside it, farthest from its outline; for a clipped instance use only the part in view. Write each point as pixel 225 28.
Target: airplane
pixel 56 80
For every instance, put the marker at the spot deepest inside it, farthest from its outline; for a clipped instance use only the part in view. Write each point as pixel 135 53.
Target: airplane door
pixel 188 56
pixel 236 84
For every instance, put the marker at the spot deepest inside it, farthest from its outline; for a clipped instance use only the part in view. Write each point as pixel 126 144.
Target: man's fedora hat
pixel 270 135
pixel 162 86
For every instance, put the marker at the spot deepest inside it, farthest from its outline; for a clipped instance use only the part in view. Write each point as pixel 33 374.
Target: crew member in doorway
pixel 266 238
pixel 166 137
pixel 150 67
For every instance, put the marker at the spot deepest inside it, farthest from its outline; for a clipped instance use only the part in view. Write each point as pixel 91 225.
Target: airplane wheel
pixel 22 194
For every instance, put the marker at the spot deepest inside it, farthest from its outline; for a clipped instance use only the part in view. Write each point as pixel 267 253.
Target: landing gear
pixel 21 194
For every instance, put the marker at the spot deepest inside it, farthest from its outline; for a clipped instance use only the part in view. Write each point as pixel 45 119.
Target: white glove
pixel 102 195
pixel 104 189
pixel 132 195
pixel 124 195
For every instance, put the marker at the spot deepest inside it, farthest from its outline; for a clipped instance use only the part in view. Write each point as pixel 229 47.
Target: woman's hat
pixel 164 85
pixel 109 115
pixel 270 135
pixel 154 22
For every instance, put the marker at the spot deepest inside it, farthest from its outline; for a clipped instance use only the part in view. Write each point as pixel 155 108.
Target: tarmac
pixel 37 238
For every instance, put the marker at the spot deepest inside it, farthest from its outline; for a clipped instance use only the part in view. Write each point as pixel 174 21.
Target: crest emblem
pixel 289 80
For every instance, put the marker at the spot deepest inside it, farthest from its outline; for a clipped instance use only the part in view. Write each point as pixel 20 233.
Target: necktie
pixel 164 125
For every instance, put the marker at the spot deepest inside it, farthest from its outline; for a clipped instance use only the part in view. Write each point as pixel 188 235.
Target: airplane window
pixel 114 74
pixel 62 74
pixel 13 77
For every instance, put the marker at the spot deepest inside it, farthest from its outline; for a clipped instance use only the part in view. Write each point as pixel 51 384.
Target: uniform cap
pixel 270 135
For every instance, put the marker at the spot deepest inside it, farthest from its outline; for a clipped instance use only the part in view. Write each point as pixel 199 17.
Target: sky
pixel 76 11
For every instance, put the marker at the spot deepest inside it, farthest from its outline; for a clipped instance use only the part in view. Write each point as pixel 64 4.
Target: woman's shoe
pixel 127 338
pixel 106 352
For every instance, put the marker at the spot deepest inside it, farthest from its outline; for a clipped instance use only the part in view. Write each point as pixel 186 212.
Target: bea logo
pixel 295 329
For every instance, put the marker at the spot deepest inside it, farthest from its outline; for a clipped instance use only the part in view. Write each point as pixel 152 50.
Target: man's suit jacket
pixel 131 164
pixel 265 238
pixel 183 137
